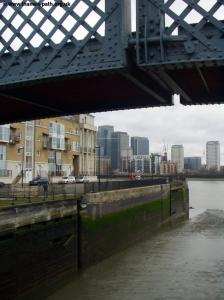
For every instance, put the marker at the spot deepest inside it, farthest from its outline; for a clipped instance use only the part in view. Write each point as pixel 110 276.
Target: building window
pixel 29 135
pixel 29 146
pixel 51 161
pixel 58 163
pixel 28 161
pixel 76 131
pixel 29 123
pixel 29 129
pixel 38 153
pixel 2 157
pixel 76 146
pixel 4 133
pixel 56 135
pixel 54 163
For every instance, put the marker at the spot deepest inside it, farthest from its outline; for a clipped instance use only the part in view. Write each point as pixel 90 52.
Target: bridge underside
pixel 64 96
pixel 53 65
pixel 121 89
pixel 200 85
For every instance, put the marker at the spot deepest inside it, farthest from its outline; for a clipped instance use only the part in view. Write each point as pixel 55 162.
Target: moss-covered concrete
pixel 105 233
pixel 36 258
pixel 120 217
pixel 109 226
pixel 41 244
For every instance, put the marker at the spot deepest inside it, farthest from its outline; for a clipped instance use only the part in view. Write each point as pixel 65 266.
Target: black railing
pixel 18 195
pixel 56 173
pixel 94 187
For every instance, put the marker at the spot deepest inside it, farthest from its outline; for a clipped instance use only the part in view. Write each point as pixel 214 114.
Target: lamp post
pixel 22 148
pixel 98 147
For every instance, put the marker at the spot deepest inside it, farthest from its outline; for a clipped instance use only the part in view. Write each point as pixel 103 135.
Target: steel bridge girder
pixel 70 56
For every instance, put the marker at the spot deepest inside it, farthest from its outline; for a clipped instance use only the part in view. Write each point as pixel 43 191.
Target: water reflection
pixel 186 262
pixel 206 194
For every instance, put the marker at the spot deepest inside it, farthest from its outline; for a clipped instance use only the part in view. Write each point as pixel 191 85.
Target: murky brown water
pixel 185 262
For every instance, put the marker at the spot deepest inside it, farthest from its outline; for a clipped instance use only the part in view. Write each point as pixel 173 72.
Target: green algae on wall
pixel 104 235
pixel 127 214
pixel 109 234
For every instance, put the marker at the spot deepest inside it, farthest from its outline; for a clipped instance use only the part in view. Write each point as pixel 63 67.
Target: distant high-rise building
pixel 213 155
pixel 168 168
pixel 192 163
pixel 140 145
pixel 140 163
pixel 104 139
pixel 126 157
pixel 164 157
pixel 155 159
pixel 119 148
pixel 177 156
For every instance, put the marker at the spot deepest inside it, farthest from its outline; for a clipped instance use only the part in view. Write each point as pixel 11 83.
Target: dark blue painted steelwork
pixel 62 41
pixel 184 31
pixel 89 43
pixel 182 41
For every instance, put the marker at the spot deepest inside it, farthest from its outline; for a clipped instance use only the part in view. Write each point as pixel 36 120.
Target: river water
pixel 183 262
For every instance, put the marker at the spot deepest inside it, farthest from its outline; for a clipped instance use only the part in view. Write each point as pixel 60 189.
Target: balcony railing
pixel 4 139
pixel 5 173
pixel 77 149
pixel 46 144
pixel 68 147
pixel 56 173
pixel 13 139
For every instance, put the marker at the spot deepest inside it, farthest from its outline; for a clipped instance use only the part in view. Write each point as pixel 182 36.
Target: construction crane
pixel 164 152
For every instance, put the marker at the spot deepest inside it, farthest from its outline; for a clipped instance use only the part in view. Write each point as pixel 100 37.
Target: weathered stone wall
pixel 103 203
pixel 42 244
pixel 38 247
pixel 179 201
pixel 117 219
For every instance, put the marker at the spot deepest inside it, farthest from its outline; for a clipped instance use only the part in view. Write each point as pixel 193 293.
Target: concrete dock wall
pixel 103 203
pixel 38 247
pixel 43 244
pixel 117 219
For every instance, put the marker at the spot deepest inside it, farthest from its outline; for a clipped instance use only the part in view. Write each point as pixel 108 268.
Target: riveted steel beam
pixel 55 41
pixel 180 38
pixel 177 31
pixel 76 55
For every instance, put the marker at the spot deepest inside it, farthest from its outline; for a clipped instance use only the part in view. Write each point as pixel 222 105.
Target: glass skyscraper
pixel 140 145
pixel 119 149
pixel 213 155
pixel 104 135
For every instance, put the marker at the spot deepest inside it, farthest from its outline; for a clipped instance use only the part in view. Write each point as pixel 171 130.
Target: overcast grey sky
pixel 191 126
